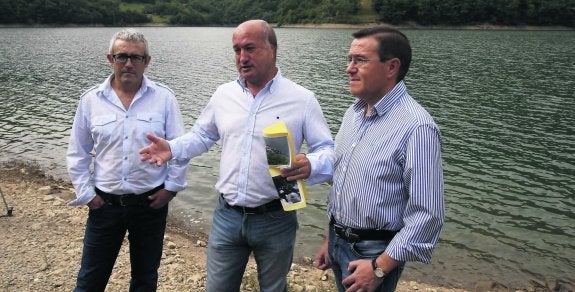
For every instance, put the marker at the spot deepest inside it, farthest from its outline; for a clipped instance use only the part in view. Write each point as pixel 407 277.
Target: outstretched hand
pixel 158 152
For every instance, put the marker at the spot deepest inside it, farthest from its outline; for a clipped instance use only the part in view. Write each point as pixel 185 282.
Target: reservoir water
pixel 505 102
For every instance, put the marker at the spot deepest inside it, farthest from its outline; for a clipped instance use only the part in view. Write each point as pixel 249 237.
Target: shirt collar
pixel 106 87
pixel 270 86
pixel 385 103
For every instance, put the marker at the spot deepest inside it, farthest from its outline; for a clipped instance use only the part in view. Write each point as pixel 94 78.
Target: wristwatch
pixel 377 270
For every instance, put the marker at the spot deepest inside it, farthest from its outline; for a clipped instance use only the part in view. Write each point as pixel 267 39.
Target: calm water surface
pixel 505 102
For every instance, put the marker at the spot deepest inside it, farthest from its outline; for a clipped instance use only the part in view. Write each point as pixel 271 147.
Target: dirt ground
pixel 41 244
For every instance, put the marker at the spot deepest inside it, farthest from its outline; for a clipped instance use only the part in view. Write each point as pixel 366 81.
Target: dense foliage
pixel 458 12
pixel 231 12
pixel 83 12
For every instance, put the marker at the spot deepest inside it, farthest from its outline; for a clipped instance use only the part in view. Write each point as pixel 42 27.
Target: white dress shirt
pixel 237 118
pixel 109 135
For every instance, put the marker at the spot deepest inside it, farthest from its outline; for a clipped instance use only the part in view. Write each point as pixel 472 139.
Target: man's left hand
pixel 300 169
pixel 362 278
pixel 160 198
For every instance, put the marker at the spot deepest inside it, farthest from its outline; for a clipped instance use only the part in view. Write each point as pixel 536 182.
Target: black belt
pixel 128 199
pixel 267 207
pixel 352 235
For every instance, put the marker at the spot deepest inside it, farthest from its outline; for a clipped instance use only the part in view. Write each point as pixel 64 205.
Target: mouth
pixel 128 73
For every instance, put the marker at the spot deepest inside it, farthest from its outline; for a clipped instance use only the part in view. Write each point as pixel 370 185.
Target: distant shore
pixel 335 26
pixel 432 27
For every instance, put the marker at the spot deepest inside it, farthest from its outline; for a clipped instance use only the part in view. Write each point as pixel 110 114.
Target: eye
pixel 121 57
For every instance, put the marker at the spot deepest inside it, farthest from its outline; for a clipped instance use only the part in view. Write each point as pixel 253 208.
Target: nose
pixel 243 55
pixel 350 67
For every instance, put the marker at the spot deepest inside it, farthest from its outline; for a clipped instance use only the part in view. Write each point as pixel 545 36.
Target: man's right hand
pixel 322 257
pixel 96 203
pixel 158 152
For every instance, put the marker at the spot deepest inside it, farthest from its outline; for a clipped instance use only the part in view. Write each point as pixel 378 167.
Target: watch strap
pixel 374 263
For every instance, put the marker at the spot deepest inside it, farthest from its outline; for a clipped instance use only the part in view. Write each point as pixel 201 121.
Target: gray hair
pixel 130 35
pixel 270 36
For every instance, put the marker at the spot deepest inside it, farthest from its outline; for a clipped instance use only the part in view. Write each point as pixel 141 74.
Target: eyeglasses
pixel 359 61
pixel 123 58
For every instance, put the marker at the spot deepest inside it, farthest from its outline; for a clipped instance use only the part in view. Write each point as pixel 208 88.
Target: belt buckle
pixel 122 201
pixel 352 237
pixel 246 212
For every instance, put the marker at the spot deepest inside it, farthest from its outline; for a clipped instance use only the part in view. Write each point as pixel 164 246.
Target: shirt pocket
pixel 151 123
pixel 104 128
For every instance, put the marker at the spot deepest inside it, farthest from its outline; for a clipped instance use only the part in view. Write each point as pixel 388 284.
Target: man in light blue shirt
pixel 249 217
pixel 386 203
pixel 124 193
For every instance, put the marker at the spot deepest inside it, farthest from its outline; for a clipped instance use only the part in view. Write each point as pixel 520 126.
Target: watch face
pixel 379 273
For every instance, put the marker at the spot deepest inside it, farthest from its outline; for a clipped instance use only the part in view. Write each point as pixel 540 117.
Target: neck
pixel 125 92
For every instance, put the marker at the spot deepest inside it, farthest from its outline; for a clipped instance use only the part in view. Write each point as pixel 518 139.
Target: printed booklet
pixel 280 153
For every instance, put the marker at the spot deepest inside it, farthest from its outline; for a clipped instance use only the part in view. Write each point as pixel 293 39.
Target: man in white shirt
pixel 249 217
pixel 124 193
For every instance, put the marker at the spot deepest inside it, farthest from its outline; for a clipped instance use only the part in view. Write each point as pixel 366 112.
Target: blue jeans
pixel 341 253
pixel 105 231
pixel 234 236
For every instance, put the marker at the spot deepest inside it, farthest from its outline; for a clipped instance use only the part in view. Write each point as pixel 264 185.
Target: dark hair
pixel 392 44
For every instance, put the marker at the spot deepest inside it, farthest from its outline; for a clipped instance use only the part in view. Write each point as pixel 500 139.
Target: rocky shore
pixel 41 244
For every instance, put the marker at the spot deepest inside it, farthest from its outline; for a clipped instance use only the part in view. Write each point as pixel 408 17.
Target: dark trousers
pixel 105 231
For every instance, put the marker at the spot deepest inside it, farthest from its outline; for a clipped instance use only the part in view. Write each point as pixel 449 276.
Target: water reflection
pixel 504 102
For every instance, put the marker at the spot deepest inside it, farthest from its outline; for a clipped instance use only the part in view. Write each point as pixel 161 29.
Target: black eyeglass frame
pixel 123 58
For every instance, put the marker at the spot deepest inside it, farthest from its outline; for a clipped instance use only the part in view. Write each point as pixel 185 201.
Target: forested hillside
pixel 231 12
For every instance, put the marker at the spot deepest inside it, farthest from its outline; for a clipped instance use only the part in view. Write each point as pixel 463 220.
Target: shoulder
pixel 90 94
pixel 288 89
pixel 416 115
pixel 92 90
pixel 293 86
pixel 161 87
pixel 228 88
pixel 234 84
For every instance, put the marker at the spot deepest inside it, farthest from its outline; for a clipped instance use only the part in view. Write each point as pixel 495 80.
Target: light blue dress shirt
pixel 389 175
pixel 236 118
pixel 109 135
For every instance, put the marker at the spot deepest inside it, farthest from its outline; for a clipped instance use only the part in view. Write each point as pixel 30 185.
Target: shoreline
pixel 42 244
pixel 408 26
pixel 43 240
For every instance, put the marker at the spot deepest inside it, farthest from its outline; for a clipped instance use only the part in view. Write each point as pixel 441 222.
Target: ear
pixel 148 59
pixel 110 58
pixel 394 66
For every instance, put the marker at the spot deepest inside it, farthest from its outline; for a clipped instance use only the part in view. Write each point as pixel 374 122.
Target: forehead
pixel 129 46
pixel 364 46
pixel 249 35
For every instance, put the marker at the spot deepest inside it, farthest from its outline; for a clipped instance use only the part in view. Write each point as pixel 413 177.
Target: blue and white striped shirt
pixel 388 174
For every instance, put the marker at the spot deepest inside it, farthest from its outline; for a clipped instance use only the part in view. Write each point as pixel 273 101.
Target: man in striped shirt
pixel 386 204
